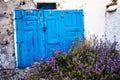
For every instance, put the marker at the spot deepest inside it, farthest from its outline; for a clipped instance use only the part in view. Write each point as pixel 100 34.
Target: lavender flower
pixel 87 60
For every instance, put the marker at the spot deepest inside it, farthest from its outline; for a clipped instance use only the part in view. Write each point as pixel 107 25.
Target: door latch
pixel 44 28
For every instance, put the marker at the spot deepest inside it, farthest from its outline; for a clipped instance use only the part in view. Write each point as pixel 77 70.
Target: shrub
pixel 87 60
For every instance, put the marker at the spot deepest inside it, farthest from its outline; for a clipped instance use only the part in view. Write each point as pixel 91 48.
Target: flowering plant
pixel 87 60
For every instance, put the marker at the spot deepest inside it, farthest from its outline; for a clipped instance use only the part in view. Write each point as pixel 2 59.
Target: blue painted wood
pixel 41 36
pixel 27 37
pixel 41 32
pixel 52 39
pixel 72 26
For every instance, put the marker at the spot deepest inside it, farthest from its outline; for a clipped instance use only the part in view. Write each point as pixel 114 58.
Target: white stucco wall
pixel 94 13
pixel 113 25
pixel 95 17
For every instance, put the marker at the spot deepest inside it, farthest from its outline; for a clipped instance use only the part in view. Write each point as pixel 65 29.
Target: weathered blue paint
pixel 40 32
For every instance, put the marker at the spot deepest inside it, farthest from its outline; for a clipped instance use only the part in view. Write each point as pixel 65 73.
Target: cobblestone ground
pixel 17 74
pixel 13 74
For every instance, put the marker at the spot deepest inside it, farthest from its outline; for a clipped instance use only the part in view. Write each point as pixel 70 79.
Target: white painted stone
pixel 113 25
pixel 6 0
pixel 112 8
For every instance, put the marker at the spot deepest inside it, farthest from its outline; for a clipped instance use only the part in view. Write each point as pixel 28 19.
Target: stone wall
pixel 7 50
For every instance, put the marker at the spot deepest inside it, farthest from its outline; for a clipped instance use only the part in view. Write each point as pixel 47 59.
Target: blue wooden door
pixel 26 37
pixel 72 27
pixel 52 34
pixel 41 32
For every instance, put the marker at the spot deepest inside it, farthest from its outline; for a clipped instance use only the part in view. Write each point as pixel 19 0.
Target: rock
pixel 6 0
pixel 112 8
pixel 4 42
pixel 1 67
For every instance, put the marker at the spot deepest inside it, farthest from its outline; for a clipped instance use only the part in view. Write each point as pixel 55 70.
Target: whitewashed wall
pixel 113 24
pixel 94 13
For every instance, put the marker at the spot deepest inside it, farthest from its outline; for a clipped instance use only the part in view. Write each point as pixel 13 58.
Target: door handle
pixel 44 28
